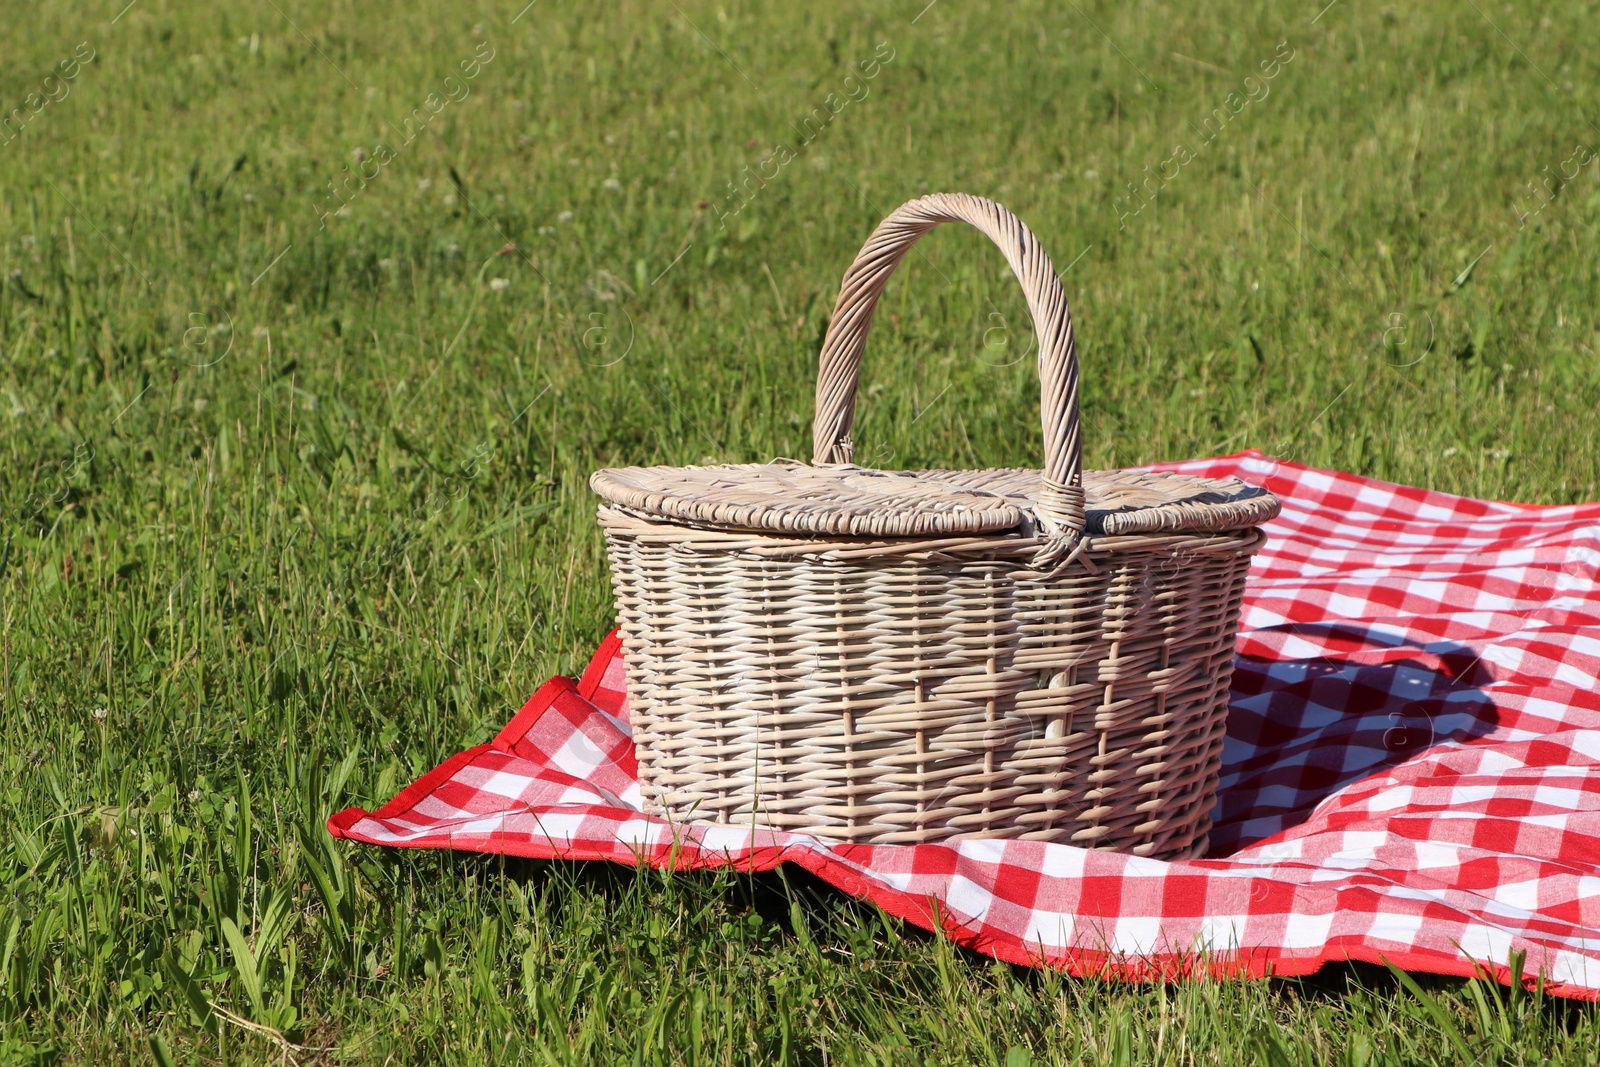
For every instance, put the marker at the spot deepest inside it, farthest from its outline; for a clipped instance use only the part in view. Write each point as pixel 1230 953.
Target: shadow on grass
pixel 780 897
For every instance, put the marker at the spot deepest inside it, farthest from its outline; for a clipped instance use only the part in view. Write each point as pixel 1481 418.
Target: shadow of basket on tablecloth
pixel 1301 729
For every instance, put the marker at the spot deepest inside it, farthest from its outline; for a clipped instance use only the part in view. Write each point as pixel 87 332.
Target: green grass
pixel 281 533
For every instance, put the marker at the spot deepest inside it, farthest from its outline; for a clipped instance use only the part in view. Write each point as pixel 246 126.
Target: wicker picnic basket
pixel 894 656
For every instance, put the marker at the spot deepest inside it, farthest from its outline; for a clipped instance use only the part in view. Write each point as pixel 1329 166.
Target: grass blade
pixel 193 995
pixel 244 963
pixel 1431 1006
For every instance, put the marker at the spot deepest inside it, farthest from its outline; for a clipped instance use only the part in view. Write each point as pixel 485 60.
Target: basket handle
pixel 1060 505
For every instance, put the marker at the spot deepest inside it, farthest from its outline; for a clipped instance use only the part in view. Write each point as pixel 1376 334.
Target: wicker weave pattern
pixel 915 695
pixel 1121 502
pixel 787 497
pixel 865 656
pixel 784 497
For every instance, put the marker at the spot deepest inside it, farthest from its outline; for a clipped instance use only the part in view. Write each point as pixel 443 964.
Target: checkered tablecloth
pixel 1410 772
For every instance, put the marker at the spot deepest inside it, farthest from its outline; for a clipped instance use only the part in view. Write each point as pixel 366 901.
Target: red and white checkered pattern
pixel 1412 769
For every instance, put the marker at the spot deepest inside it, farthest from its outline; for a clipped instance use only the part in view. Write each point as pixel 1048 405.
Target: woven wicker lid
pixel 1131 501
pixel 793 498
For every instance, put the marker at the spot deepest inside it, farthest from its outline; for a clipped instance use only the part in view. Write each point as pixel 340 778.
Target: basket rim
pixel 788 497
